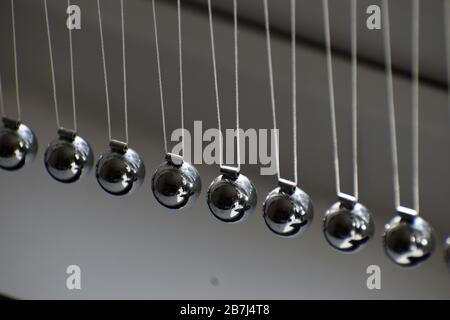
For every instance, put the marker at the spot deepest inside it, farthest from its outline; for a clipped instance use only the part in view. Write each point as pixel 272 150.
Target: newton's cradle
pixel 348 225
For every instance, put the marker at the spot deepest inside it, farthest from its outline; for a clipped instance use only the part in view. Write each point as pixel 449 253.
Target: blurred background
pixel 131 247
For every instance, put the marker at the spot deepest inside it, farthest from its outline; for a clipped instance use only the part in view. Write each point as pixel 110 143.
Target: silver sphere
pixel 288 210
pixel 348 226
pixel 18 144
pixel 120 170
pixel 408 240
pixel 231 196
pixel 176 184
pixel 69 157
pixel 447 253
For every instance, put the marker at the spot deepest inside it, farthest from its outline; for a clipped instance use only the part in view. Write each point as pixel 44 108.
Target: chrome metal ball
pixel 447 253
pixel 288 210
pixel 348 226
pixel 18 144
pixel 231 196
pixel 176 184
pixel 120 170
pixel 68 157
pixel 408 240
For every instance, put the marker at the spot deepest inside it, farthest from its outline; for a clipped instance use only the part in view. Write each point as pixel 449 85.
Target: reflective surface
pixel 120 172
pixel 18 144
pixel 348 226
pixel 288 213
pixel 447 253
pixel 68 158
pixel 408 241
pixel 176 186
pixel 231 198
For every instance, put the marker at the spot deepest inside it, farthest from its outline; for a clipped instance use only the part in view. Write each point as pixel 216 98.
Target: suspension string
pixel 331 91
pixel 294 86
pixel 236 82
pixel 447 48
pixel 272 91
pixel 105 75
pixel 415 101
pixel 2 102
pixel 158 61
pixel 52 66
pixel 180 56
pixel 354 44
pixel 102 43
pixel 72 78
pixel 125 98
pixel 390 97
pixel 16 73
pixel 216 87
pixel 447 44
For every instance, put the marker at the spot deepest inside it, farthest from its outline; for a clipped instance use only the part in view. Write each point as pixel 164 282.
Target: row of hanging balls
pixel 408 240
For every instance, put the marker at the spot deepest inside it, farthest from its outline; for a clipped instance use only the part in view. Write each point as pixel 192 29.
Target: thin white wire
pixel 216 87
pixel 124 68
pixel 272 90
pixel 125 98
pixel 2 102
pixel 52 67
pixel 236 82
pixel 415 101
pixel 158 60
pixel 180 56
pixel 390 97
pixel 105 75
pixel 294 86
pixel 447 44
pixel 72 78
pixel 354 44
pixel 331 90
pixel 16 73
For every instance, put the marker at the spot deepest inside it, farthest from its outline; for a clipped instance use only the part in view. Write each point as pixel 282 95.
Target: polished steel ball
pixel 408 240
pixel 288 210
pixel 348 226
pixel 447 253
pixel 176 184
pixel 120 170
pixel 18 144
pixel 68 157
pixel 231 196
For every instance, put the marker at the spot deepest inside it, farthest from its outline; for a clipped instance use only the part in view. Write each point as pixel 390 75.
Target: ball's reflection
pixel 120 171
pixel 18 144
pixel 408 241
pixel 288 211
pixel 68 158
pixel 231 197
pixel 447 253
pixel 348 226
pixel 176 185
